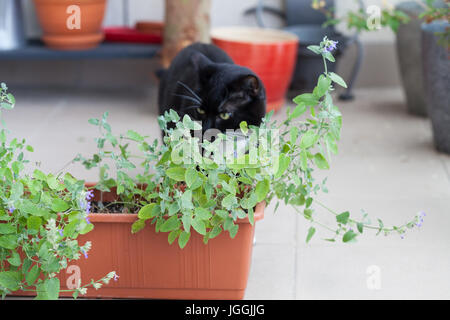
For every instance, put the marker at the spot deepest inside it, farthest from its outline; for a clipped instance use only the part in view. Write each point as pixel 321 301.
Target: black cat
pixel 203 82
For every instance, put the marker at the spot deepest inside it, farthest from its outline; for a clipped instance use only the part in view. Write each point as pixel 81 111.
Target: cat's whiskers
pixel 188 98
pixel 190 90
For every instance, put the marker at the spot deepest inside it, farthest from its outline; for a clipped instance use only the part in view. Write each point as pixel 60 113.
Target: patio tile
pixel 272 272
pixel 277 227
pixel 371 272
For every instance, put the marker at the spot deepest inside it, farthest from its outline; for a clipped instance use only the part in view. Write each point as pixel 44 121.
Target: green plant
pixel 41 216
pixel 189 183
pixel 360 20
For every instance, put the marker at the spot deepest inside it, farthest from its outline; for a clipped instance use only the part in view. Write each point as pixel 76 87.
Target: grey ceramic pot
pixel 409 56
pixel 436 72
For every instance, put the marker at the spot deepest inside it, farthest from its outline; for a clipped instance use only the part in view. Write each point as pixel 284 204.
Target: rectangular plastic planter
pixel 148 267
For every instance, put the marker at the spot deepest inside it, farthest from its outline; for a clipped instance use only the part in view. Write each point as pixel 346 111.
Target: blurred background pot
pixel 409 56
pixel 11 29
pixel 436 72
pixel 57 18
pixel 270 53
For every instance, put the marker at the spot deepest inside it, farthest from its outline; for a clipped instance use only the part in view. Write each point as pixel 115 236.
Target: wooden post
pixel 186 21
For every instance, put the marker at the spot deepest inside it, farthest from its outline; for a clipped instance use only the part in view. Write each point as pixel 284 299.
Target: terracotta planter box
pixel 149 267
pixel 270 53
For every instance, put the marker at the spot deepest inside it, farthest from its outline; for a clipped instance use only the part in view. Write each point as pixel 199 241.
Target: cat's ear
pixel 200 61
pixel 251 84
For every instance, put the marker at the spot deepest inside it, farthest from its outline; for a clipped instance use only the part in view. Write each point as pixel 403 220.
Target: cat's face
pixel 227 95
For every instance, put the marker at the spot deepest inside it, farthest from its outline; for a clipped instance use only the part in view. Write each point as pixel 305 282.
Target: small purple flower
pixel 116 277
pixel 88 207
pixel 11 209
pixel 330 45
pixel 61 232
pixel 87 220
pixel 89 195
pixel 85 253
pixel 420 217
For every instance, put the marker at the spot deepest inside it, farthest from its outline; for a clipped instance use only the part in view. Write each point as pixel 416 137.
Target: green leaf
pixel 293 134
pixel 191 177
pixel 94 121
pixel 303 160
pixel 34 222
pixel 71 228
pixel 283 164
pixel 349 236
pixel 186 219
pixel 315 49
pixel 52 287
pixel 7 228
pixel 360 227
pixel 329 56
pixel 88 228
pixel 244 127
pixel 173 235
pixel 133 135
pixel 8 241
pixel 148 211
pixel 311 233
pixel 309 138
pixel 233 230
pixel 336 78
pixel 198 226
pixel 15 260
pixel 186 200
pixel 10 280
pixel 170 224
pixel 343 217
pixel 298 111
pixel 59 205
pixel 31 277
pixel 323 85
pixel 229 201
pixel 137 226
pixel 183 239
pixel 308 99
pixel 262 189
pixel 53 183
pixel 321 162
pixel 202 213
pixel 176 173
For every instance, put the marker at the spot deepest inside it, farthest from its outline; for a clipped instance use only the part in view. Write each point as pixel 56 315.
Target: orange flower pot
pixel 148 267
pixel 270 53
pixel 71 24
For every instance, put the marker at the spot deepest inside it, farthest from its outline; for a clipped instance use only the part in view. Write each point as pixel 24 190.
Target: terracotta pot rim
pixel 254 36
pixel 132 217
pixel 67 1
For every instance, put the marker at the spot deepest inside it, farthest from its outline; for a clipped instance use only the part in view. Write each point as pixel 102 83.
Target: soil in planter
pixel 111 207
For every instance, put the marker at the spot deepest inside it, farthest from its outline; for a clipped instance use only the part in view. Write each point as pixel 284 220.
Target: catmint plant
pixel 190 184
pixel 41 216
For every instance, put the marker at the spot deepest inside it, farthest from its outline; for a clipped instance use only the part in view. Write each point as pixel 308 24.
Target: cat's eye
pixel 225 115
pixel 200 110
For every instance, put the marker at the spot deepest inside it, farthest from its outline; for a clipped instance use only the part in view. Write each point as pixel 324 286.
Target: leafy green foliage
pixel 193 185
pixel 41 216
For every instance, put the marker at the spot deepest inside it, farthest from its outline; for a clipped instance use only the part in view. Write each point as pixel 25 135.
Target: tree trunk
pixel 186 21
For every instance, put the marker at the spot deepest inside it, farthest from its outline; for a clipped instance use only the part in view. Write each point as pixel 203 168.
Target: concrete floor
pixel 386 166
